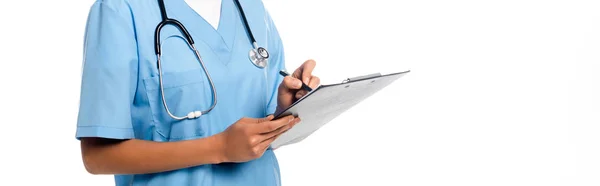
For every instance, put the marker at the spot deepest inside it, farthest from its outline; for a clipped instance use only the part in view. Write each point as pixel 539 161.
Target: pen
pixel 304 86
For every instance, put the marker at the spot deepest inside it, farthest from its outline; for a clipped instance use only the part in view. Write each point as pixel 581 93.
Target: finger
pixel 314 82
pixel 300 93
pixel 268 118
pixel 279 133
pixel 260 120
pixel 308 65
pixel 265 144
pixel 268 126
pixel 290 82
pixel 281 129
pixel 307 70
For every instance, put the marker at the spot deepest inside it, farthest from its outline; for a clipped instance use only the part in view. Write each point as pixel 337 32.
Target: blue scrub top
pixel 120 96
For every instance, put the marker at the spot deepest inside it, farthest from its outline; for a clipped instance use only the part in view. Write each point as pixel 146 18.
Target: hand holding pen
pixel 297 84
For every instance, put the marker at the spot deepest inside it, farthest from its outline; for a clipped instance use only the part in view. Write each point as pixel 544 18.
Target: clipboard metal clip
pixel 348 80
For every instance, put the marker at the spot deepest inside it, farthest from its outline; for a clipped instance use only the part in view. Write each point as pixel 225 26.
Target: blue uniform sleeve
pixel 276 63
pixel 109 72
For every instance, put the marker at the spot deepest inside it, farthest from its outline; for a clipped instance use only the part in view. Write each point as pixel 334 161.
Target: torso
pixel 242 89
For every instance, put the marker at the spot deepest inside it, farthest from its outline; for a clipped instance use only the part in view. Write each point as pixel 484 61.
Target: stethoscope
pixel 258 55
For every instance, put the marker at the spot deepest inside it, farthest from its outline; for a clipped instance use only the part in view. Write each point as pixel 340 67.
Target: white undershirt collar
pixel 210 10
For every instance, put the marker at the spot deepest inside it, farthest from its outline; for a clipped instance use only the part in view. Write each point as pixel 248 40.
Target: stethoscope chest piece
pixel 259 57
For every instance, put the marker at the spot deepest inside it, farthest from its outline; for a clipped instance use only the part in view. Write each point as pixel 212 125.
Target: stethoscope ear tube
pixel 246 25
pixel 177 24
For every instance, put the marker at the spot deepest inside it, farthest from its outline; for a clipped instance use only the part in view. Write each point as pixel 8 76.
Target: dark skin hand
pixel 245 140
pixel 290 89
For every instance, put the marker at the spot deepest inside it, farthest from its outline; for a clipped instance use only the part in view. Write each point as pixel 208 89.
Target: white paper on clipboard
pixel 326 102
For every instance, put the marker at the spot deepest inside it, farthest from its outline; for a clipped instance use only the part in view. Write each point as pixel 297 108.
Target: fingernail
pixel 291 119
pixel 298 84
pixel 305 80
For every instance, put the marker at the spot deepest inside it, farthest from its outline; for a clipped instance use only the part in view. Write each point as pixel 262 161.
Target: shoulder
pixel 109 9
pixel 115 5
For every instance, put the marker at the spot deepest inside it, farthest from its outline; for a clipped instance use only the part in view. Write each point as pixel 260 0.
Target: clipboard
pixel 326 102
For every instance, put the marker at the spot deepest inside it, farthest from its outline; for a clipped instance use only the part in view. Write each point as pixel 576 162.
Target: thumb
pixel 265 119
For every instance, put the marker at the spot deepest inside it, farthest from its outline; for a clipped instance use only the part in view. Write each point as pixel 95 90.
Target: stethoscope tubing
pixel 259 58
pixel 193 114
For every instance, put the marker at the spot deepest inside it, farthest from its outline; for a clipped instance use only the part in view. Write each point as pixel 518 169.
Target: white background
pixel 500 93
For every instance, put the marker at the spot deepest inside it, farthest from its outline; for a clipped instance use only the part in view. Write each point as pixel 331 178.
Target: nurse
pixel 126 124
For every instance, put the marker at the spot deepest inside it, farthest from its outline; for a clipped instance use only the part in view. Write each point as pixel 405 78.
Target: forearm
pixel 140 157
